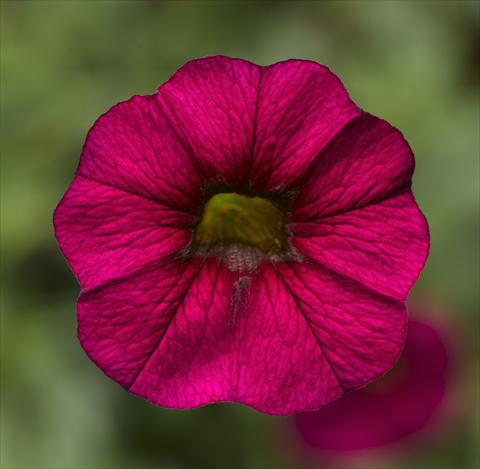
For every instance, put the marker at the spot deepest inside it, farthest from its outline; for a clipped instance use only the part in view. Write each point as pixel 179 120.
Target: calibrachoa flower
pixel 399 405
pixel 245 234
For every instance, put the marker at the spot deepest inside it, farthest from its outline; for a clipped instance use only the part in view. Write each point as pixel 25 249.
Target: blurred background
pixel 63 63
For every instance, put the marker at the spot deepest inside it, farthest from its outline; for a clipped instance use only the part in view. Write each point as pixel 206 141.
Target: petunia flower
pixel 401 404
pixel 244 234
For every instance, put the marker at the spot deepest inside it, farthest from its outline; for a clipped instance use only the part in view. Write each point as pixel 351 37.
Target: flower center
pixel 231 218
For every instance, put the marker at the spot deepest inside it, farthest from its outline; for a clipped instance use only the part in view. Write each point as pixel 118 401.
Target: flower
pixel 397 406
pixel 245 234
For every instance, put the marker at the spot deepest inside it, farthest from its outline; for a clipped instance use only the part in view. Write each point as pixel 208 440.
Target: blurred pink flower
pixel 281 330
pixel 398 405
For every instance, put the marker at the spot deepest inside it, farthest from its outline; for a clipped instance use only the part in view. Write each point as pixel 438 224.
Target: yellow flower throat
pixel 231 218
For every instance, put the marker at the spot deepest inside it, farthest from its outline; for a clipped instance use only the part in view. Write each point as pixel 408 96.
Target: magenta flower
pixel 397 406
pixel 245 234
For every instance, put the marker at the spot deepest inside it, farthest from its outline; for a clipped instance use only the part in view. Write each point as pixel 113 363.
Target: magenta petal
pixel 404 405
pixel 212 103
pixel 106 233
pixel 366 163
pixel 281 365
pixel 383 246
pixel 121 324
pixel 242 121
pixel 194 362
pixel 361 332
pixel 301 107
pixel 166 334
pixel 134 147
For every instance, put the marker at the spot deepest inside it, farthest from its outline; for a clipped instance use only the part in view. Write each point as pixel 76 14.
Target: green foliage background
pixel 65 62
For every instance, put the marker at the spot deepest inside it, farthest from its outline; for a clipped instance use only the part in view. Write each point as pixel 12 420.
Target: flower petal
pixel 383 246
pixel 281 366
pixel 165 334
pixel 213 104
pixel 106 233
pixel 121 324
pixel 133 147
pixel 361 332
pixel 301 107
pixel 366 163
pixel 194 364
pixel 267 124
